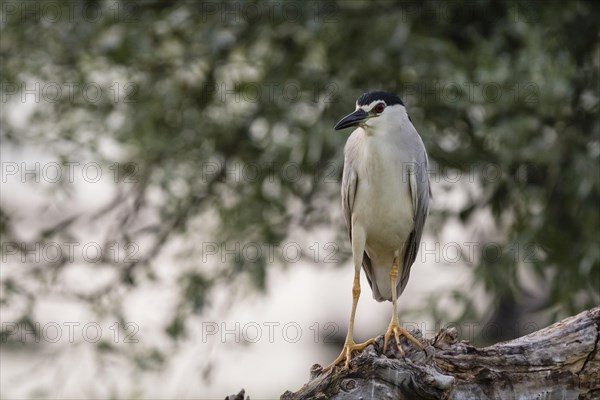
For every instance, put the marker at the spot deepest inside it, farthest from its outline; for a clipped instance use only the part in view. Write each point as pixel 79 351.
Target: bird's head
pixel 375 111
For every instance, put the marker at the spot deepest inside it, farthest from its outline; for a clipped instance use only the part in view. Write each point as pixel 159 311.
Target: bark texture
pixel 561 361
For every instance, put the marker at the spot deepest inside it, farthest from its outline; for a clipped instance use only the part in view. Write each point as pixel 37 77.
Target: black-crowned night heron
pixel 385 197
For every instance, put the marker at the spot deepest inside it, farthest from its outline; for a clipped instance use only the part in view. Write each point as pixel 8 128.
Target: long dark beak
pixel 352 119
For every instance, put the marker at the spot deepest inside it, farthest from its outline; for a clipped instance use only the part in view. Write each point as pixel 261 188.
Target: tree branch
pixel 561 361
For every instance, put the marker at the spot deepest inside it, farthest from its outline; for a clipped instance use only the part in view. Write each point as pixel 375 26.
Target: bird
pixel 385 200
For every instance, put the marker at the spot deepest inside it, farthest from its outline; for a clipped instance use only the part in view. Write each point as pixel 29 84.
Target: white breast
pixel 383 203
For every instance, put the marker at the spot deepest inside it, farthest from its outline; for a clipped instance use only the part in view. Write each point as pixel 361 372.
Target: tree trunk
pixel 561 361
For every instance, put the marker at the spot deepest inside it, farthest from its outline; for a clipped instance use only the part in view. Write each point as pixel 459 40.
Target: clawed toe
pixel 397 331
pixel 346 353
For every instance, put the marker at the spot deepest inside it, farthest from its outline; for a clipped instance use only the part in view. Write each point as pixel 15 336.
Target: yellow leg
pixel 394 327
pixel 349 344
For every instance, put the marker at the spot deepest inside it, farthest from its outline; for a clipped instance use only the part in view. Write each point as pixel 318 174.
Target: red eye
pixel 379 108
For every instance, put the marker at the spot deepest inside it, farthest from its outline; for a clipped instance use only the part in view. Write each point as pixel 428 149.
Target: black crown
pixel 369 97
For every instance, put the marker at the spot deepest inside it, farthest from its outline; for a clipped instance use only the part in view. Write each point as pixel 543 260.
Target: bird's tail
pixel 379 280
pixel 382 288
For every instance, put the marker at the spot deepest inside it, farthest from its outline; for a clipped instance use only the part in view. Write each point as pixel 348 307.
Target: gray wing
pixel 349 185
pixel 420 190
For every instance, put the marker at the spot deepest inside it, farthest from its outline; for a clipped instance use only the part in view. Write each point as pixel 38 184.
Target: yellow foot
pixel 398 331
pixel 346 353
